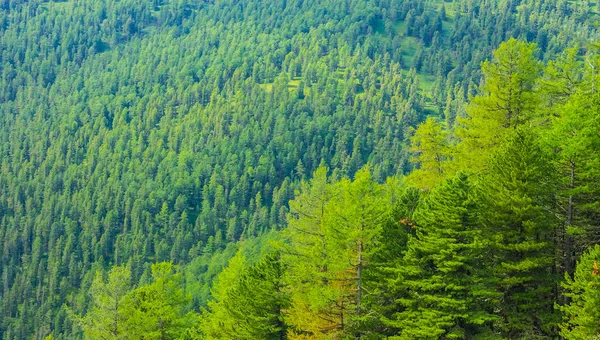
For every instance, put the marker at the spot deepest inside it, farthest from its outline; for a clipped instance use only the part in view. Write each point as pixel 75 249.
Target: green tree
pixel 431 150
pixel 520 226
pixel 448 287
pixel 251 305
pixel 581 315
pixel 334 231
pixel 509 99
pixel 109 317
pixel 380 279
pixel 159 307
pixel 319 300
pixel 573 138
pixel 216 322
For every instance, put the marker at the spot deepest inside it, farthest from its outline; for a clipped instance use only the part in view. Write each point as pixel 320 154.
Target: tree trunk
pixel 568 238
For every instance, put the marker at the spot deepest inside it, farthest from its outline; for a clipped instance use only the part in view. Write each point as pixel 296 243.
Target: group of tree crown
pixel 300 169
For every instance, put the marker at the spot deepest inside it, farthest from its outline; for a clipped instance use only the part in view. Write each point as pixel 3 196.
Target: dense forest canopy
pixel 303 169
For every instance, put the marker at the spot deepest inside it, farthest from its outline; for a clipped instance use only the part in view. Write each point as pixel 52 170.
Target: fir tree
pixel 520 227
pixel 581 315
pixel 159 307
pixel 249 302
pixel 444 271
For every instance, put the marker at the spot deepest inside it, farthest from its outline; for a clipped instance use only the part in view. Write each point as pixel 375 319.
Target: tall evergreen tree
pixel 111 311
pixel 572 137
pixel 334 230
pixel 583 312
pixel 386 258
pixel 319 301
pixel 160 307
pixel 520 226
pixel 509 99
pixel 449 293
pixel 216 323
pixel 251 305
pixel 431 147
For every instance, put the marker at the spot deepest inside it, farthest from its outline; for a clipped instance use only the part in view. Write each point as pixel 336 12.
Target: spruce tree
pixel 318 300
pixel 448 292
pixel 509 98
pixel 581 315
pixel 160 307
pixel 520 226
pixel 384 290
pixel 334 230
pixel 573 138
pixel 215 321
pixel 259 300
pixel 248 302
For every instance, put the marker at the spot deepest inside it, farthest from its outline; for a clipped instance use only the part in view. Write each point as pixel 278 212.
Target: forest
pixel 299 169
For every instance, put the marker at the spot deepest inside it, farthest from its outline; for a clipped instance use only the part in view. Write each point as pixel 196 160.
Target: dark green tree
pixel 449 291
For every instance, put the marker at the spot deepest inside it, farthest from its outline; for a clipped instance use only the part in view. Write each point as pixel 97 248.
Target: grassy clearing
pixel 57 5
pixel 268 87
pixel 294 83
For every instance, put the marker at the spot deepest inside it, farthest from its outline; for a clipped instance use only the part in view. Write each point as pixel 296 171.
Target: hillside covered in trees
pixel 299 169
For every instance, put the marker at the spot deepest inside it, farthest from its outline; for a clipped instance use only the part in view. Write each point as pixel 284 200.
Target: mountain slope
pixel 135 132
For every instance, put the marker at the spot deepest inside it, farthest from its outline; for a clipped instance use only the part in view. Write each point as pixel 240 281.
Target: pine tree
pixel 581 315
pixel 518 193
pixel 248 302
pixel 333 232
pixel 319 299
pixel 562 77
pixel 259 300
pixel 448 293
pixel 510 98
pixel 111 311
pixel 384 291
pixel 358 215
pixel 430 145
pixel 159 308
pixel 572 137
pixel 216 323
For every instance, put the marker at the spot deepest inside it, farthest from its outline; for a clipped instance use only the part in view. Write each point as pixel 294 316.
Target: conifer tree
pixel 216 323
pixel 160 307
pixel 581 315
pixel 430 145
pixel 449 293
pixel 318 300
pixel 572 137
pixel 386 258
pixel 111 311
pixel 258 302
pixel 520 227
pixel 333 232
pixel 249 302
pixel 355 229
pixel 509 99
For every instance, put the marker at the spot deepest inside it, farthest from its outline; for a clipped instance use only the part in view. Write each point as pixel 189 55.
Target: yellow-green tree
pixel 160 308
pixel 319 299
pixel 110 314
pixel 430 146
pixel 215 322
pixel 249 301
pixel 444 278
pixel 583 312
pixel 509 98
pixel 519 192
pixel 333 231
